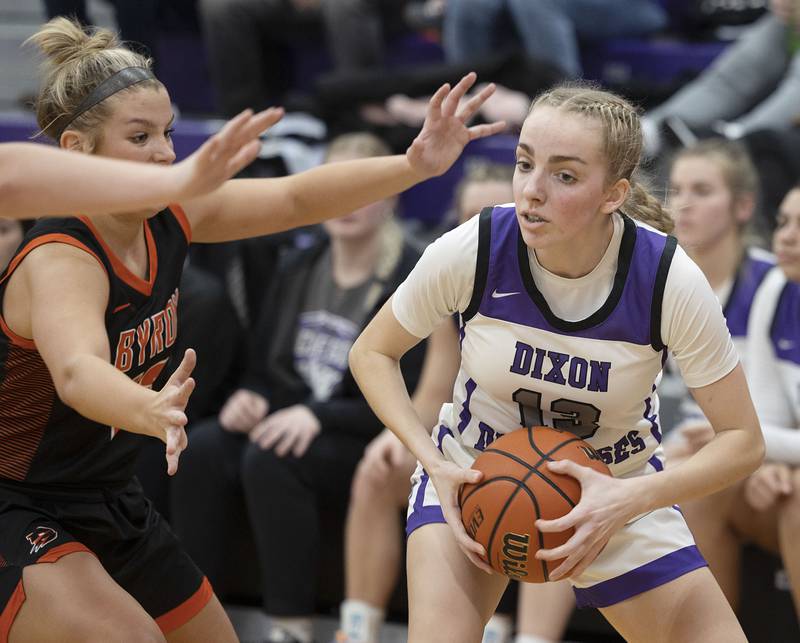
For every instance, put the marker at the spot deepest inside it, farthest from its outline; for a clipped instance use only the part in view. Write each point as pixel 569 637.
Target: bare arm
pixel 374 361
pixel 38 180
pixel 439 372
pixel 375 364
pixel 735 452
pixel 246 208
pixel 68 293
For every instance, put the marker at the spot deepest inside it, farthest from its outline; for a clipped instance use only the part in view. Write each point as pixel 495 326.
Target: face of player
pixel 786 239
pixel 702 204
pixel 139 127
pixel 561 191
pixel 476 195
pixel 10 238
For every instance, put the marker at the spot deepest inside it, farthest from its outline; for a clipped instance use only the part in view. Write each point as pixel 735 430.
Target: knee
pixel 371 491
pixel 790 507
pixel 366 490
pixel 262 469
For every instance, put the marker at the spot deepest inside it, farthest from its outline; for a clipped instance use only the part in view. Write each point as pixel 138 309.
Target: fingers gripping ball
pixel 516 490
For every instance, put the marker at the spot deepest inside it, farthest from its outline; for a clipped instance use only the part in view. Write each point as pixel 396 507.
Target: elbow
pixel 355 357
pixel 757 451
pixel 65 380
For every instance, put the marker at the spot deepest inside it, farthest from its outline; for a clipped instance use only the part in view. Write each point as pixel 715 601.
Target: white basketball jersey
pixel 523 366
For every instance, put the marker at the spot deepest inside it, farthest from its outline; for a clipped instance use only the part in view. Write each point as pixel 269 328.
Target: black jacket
pixel 271 369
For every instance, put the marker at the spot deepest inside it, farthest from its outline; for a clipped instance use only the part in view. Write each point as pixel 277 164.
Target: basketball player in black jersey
pixel 88 325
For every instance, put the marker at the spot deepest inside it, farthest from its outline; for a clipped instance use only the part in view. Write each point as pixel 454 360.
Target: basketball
pixel 518 489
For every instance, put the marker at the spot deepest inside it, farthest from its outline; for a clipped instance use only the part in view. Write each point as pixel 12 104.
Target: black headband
pixel 123 79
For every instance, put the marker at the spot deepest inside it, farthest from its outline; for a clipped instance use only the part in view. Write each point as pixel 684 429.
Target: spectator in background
pixel 753 85
pixel 764 509
pixel 137 20
pixel 287 442
pixel 547 30
pixel 248 42
pixel 713 188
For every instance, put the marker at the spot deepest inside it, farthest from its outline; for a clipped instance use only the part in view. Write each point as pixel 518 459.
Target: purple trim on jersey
pixel 785 331
pixel 652 418
pixel 443 431
pixel 420 499
pixel 748 278
pixel 466 415
pixel 628 319
pixel 642 579
pixel 425 516
pixel 656 463
pixel 422 515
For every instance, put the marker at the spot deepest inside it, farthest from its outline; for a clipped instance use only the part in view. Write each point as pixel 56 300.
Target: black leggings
pixel 229 496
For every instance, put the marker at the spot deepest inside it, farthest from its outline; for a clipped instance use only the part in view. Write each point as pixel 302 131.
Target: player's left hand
pixel 289 430
pixel 169 410
pixel 444 132
pixel 603 509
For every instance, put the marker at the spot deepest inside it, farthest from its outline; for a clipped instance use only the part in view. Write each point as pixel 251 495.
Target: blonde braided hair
pixel 622 143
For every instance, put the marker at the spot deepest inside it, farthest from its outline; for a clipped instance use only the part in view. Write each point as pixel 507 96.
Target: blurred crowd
pixel 285 454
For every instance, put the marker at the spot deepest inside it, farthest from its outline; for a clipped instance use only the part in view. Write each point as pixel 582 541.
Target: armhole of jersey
pixel 481 263
pixel 656 341
pixel 26 342
pixel 182 219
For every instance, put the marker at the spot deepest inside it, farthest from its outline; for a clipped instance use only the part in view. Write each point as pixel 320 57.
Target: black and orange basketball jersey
pixel 45 442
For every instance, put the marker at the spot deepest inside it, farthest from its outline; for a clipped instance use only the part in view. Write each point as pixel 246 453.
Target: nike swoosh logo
pixel 499 295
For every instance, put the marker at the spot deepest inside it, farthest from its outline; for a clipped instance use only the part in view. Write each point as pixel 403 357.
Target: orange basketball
pixel 516 490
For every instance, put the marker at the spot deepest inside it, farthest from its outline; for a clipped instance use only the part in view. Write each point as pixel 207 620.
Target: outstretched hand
pixel 225 153
pixel 169 410
pixel 445 133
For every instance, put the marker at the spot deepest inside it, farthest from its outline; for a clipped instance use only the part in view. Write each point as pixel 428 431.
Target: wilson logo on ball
pixel 475 521
pixel 515 555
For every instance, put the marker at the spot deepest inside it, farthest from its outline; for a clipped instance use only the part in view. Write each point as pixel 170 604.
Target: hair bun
pixel 63 40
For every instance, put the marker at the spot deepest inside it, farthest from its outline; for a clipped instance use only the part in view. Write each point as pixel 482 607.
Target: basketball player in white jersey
pixel 765 509
pixel 567 309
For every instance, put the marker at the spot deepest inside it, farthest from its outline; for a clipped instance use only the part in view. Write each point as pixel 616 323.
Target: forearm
pixel 37 180
pixel 339 188
pixel 100 392
pixel 324 192
pixel 731 456
pixel 381 382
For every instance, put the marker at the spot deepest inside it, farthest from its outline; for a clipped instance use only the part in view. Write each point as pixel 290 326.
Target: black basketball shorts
pixel 129 538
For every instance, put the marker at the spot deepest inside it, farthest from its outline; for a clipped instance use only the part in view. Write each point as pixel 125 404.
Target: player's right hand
pixel 169 410
pixel 383 455
pixel 224 154
pixel 448 477
pixel 767 485
pixel 243 410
